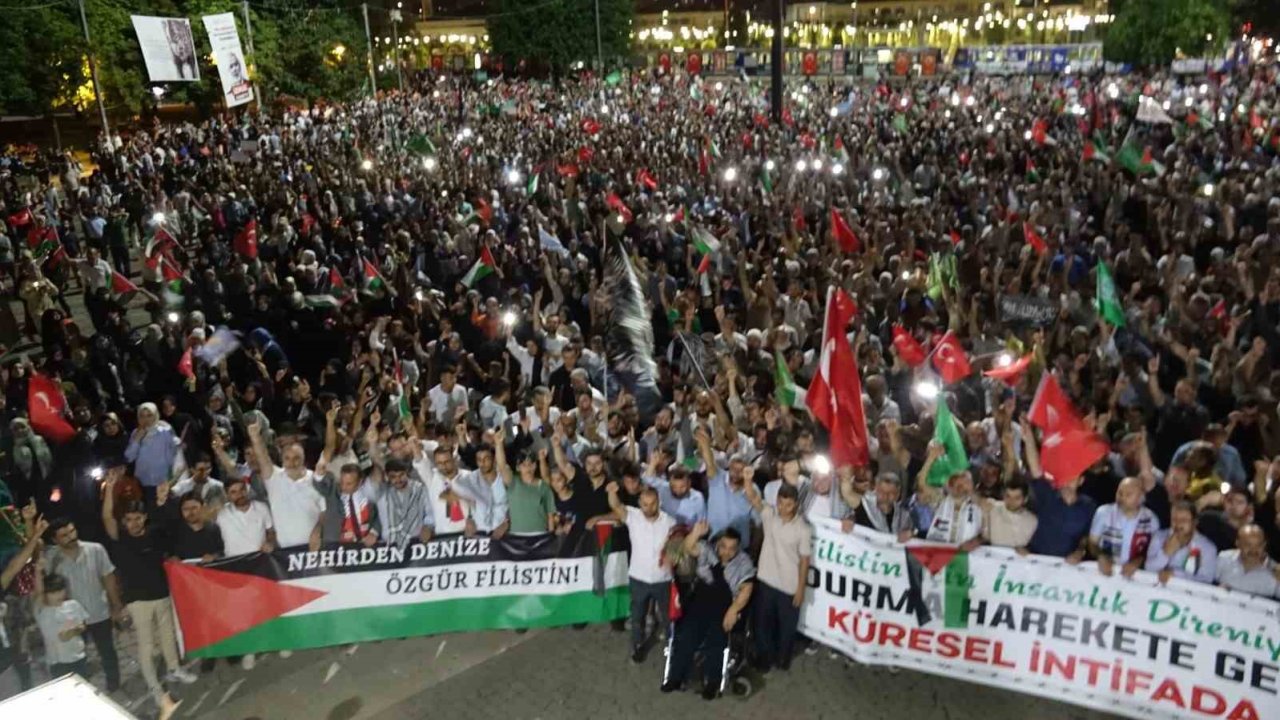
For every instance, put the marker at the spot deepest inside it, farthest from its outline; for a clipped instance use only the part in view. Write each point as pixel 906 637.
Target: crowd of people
pixel 392 319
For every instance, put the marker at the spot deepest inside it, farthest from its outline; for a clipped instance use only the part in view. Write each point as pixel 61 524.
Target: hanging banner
pixel 168 48
pixel 1037 625
pixel 233 71
pixel 296 598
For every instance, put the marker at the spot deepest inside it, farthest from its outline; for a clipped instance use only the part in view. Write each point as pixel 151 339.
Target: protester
pixel 418 320
pixel 649 571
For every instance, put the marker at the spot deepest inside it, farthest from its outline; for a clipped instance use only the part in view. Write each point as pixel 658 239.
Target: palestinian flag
pixel 1095 150
pixel 322 302
pixel 947 593
pixel 838 151
pixel 1032 174
pixel 293 599
pixel 707 245
pixel 766 178
pixel 1138 162
pixel 785 389
pixel 171 275
pixel 123 287
pixel 337 286
pixel 712 149
pixel 373 279
pixel 484 267
pixel 531 188
pixel 1106 300
pixel 1034 239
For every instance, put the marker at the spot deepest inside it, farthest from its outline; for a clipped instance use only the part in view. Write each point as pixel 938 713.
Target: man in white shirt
pixel 198 479
pixel 296 506
pixel 487 494
pixel 245 524
pixel 449 511
pixel 1122 531
pixel 447 397
pixel 648 574
pixel 1247 568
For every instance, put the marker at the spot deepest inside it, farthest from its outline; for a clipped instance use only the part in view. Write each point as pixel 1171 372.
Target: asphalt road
pixel 563 673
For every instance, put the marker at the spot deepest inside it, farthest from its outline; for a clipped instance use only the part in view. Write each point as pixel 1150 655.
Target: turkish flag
pixel 950 360
pixel 835 396
pixel 246 241
pixel 843 234
pixel 909 349
pixel 1068 447
pixel 615 203
pixel 1010 373
pixel 47 409
pixel 186 366
pixel 584 155
pixel 1034 239
pixel 589 126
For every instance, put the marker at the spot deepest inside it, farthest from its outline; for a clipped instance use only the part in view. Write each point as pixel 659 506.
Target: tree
pixel 1154 32
pixel 41 60
pixel 556 35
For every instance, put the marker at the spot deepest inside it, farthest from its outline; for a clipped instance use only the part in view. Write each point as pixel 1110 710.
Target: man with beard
pixel 660 434
pixel 1179 551
pixel 879 508
pixel 1247 568
pixel 675 491
pixel 727 503
pixel 648 572
pixel 588 481
pixel 484 489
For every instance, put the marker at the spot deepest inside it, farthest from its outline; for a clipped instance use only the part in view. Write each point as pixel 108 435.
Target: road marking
pixel 230 691
pixel 334 668
pixel 440 649
pixel 191 712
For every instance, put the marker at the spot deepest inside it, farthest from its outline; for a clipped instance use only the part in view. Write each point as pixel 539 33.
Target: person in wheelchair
pixel 722 589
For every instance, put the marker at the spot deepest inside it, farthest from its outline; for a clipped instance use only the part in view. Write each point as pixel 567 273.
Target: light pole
pixel 97 90
pixel 775 62
pixel 396 17
pixel 368 41
pixel 599 44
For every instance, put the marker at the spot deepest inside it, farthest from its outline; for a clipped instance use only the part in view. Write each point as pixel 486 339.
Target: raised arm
pixel 619 510
pixel 330 438
pixel 109 504
pixel 500 455
pixel 261 457
pixel 28 550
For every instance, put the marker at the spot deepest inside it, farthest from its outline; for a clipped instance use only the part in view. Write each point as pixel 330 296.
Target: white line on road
pixel 230 691
pixel 333 670
pixel 191 712
pixel 440 649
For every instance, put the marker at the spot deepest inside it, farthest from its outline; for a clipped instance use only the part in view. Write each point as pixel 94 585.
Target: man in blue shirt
pixel 677 496
pixel 1064 517
pixel 727 503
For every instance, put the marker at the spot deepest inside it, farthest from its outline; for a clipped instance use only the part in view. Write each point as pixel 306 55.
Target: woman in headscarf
pixel 29 462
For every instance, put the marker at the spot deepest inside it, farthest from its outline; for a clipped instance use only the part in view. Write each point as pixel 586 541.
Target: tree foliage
pixel 43 54
pixel 552 36
pixel 1153 32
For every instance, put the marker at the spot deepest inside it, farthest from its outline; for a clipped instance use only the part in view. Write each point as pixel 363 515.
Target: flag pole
pixel 687 352
pixel 97 89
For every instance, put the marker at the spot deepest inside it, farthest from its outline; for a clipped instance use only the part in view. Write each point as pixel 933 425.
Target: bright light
pixel 990 128
pixel 508 318
pixel 1225 488
pixel 946 114
pixel 429 163
pixel 833 112
pixel 466 133
pixel 669 217
pixel 837 169
pixel 1026 135
pixel 955 99
pixel 1207 189
pixel 366 165
pixel 1113 92
pixel 96 472
pixel 513 176
pixel 906 274
pixel 1188 101
pixel 769 165
pixel 819 465
pixel 817 164
pixel 1204 88
pixel 730 174
pixel 1166 105
pixel 1004 359
pixel 158 218
pixel 56 495
pixel 719 86
pixel 418 295
pixel 927 389
pixel 801 166
pixel 158 92
pixel 174 317
pixel 968 102
pixel 904 103
pixel 878 174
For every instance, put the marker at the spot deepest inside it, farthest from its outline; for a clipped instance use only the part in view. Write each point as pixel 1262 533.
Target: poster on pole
pixel 233 71
pixel 168 48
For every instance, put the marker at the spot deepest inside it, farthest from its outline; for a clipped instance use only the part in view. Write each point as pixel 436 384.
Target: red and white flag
pixel 47 409
pixel 950 360
pixel 1068 447
pixel 246 241
pixel 835 396
pixel 909 349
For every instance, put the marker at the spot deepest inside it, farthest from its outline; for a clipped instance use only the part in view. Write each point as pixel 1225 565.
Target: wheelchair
pixel 736 677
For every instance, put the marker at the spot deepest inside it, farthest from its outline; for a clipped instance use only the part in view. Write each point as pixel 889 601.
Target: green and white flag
pixel 945 432
pixel 784 385
pixel 1106 299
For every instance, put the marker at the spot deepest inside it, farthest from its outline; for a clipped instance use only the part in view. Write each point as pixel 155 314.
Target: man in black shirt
pixel 139 559
pixel 192 536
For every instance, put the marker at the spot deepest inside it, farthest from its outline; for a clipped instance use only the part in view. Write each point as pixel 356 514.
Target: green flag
pixel 766 179
pixel 942 271
pixel 532 188
pixel 1138 162
pixel 784 386
pixel 420 144
pixel 613 78
pixel 1106 299
pixel 953 459
pixel 900 123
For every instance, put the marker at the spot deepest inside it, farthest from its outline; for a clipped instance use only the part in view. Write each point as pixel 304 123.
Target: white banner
pixel 1037 625
pixel 227 55
pixel 168 48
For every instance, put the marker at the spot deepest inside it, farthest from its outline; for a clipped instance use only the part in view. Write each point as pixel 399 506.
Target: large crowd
pixel 392 319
